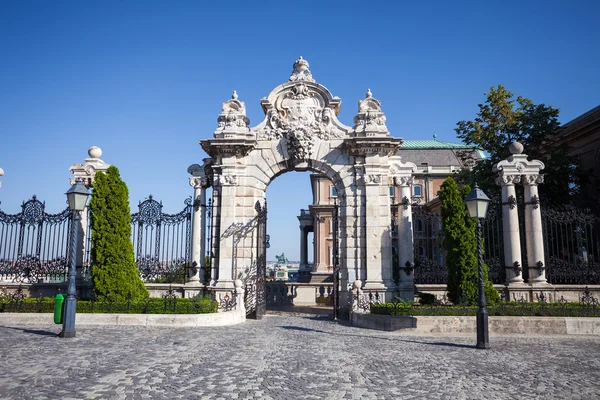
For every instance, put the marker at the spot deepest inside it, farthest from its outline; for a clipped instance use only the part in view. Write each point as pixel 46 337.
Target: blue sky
pixel 145 80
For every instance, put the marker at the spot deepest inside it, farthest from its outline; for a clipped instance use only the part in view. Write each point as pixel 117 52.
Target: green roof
pixel 432 144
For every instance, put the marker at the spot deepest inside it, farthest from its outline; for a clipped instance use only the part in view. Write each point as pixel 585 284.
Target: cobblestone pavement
pixel 290 357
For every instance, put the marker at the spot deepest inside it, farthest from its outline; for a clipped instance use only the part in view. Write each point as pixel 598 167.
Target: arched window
pixel 418 190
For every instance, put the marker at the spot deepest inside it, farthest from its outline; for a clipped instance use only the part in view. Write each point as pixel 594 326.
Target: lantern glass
pixel 477 203
pixel 77 196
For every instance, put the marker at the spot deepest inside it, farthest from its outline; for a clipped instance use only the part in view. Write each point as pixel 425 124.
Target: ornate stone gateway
pixel 301 132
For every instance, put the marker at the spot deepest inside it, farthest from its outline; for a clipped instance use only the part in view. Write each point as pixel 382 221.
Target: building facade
pixel 435 161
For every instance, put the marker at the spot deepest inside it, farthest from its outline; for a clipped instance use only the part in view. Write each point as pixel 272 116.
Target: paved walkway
pixel 290 357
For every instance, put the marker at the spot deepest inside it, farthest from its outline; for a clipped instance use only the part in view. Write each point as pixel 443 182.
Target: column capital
pixel 198 182
pixel 533 179
pixel 404 180
pixel 507 179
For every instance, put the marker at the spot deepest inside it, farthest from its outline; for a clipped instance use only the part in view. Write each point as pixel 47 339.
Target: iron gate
pixel 34 245
pixel 256 288
pixel 430 265
pixel 571 245
pixel 162 242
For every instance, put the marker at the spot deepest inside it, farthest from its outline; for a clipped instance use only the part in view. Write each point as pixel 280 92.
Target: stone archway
pixel 301 132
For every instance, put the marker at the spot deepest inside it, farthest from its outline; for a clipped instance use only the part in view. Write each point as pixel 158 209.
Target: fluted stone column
pixel 198 229
pixel 510 229
pixel 405 246
pixel 533 228
pixel 518 169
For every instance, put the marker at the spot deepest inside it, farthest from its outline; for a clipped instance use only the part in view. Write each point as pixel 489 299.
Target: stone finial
pixel 86 171
pixel 370 120
pixel 95 152
pixel 301 71
pixel 515 148
pixel 232 120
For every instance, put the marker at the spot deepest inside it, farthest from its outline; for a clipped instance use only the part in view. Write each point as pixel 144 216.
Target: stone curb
pixel 172 320
pixel 497 325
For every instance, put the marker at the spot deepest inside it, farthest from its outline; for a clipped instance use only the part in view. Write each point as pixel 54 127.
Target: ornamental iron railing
pixel 571 245
pixel 162 242
pixel 34 245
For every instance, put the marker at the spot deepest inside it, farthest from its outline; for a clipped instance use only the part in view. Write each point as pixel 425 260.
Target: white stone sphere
pixel 95 152
pixel 357 284
pixel 516 148
pixel 238 283
pixel 1 172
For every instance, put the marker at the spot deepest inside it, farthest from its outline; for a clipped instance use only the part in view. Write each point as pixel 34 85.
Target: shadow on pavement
pixel 33 331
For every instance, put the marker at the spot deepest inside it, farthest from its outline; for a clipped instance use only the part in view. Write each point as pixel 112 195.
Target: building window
pixel 332 191
pixel 418 190
pixel 392 191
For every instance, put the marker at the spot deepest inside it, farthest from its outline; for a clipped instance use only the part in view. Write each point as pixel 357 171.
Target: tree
pixel 503 120
pixel 114 272
pixel 460 244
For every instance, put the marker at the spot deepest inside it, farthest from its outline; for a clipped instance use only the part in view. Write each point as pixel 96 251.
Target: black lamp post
pixel 477 204
pixel 77 197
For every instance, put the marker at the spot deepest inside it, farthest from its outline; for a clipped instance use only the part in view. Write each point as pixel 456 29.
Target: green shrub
pixel 114 271
pixel 197 305
pixel 460 244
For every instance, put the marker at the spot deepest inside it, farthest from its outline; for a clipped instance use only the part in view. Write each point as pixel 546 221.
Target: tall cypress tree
pixel 114 272
pixel 460 243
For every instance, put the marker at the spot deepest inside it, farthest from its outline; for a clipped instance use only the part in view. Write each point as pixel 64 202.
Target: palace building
pixel 435 161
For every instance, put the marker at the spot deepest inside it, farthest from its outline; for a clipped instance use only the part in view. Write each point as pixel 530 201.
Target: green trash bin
pixel 58 308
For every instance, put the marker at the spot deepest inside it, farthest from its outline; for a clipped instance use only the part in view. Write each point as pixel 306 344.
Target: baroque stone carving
pixel 404 180
pixel 372 179
pixel 533 179
pixel 301 71
pixel 507 180
pixel 232 120
pixel 199 182
pixel 370 120
pixel 299 112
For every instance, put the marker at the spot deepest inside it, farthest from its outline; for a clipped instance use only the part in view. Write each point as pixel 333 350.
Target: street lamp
pixel 477 204
pixel 77 197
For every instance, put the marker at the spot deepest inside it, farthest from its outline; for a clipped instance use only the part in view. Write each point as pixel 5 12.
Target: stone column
pixel 377 231
pixel 533 229
pixel 510 229
pixel 85 173
pixel 405 246
pixel 517 168
pixel 303 248
pixel 226 223
pixel 198 229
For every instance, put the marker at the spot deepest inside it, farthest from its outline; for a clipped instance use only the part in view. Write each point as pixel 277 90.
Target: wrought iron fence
pixel 34 245
pixel 586 306
pixel 493 242
pixel 571 245
pixel 162 242
pixel 430 265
